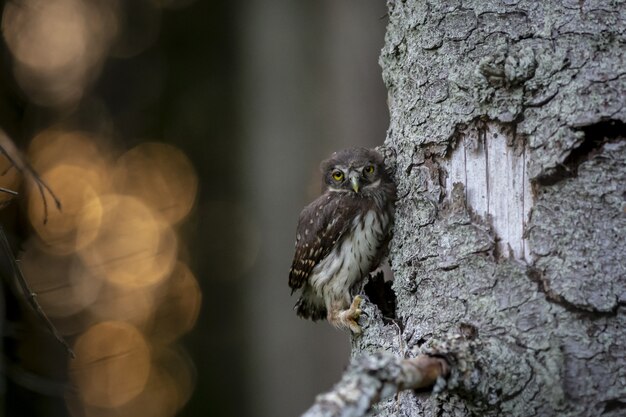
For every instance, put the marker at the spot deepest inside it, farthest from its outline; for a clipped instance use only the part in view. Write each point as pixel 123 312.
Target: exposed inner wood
pixel 491 164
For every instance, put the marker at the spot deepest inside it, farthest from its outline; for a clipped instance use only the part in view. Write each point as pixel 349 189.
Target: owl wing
pixel 321 226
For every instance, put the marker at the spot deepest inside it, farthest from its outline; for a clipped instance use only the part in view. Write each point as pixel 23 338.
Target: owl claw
pixel 348 318
pixel 351 316
pixel 356 314
pixel 355 307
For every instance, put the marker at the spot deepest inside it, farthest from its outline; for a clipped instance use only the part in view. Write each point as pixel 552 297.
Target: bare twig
pixel 9 266
pixel 373 378
pixel 8 148
pixel 6 190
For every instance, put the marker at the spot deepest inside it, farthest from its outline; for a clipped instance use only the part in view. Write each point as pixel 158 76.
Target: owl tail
pixel 311 308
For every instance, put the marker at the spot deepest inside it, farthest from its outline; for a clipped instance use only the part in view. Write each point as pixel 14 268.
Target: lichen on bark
pixel 546 334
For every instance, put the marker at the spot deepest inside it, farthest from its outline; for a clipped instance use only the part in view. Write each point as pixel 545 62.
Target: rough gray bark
pixel 535 331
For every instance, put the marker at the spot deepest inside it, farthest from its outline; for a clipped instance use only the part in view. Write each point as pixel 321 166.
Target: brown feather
pixel 321 226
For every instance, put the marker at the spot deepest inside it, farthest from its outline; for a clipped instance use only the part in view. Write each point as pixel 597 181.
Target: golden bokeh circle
pixel 129 304
pixel 57 46
pixel 53 147
pixel 112 364
pixel 63 285
pixel 46 34
pixel 176 363
pixel 81 210
pixel 162 176
pixel 133 248
pixel 158 399
pixel 167 390
pixel 179 306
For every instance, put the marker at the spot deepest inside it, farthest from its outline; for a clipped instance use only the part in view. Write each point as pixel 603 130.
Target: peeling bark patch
pixel 459 25
pixel 544 286
pixel 514 24
pixel 577 231
pixel 437 91
pixel 492 168
pixel 595 136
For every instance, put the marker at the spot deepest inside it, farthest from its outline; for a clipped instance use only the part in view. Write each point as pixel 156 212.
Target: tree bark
pixel 507 141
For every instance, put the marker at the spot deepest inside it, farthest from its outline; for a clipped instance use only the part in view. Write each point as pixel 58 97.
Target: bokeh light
pixel 62 283
pixel 180 306
pixel 112 364
pixel 130 249
pixel 76 225
pixel 54 147
pixel 162 176
pixel 133 305
pixel 57 46
pixel 106 270
pixel 167 389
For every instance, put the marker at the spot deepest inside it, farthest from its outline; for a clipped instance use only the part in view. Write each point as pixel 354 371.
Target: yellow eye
pixel 337 175
pixel 369 169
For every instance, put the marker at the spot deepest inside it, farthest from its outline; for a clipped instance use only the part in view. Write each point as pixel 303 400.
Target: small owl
pixel 342 236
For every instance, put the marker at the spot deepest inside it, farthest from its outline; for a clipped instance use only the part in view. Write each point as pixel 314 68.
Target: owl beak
pixel 355 183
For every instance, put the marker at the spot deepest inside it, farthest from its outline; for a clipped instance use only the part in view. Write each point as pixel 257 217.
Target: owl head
pixel 357 170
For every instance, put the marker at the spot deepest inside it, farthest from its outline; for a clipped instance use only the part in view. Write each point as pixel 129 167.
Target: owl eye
pixel 369 169
pixel 337 175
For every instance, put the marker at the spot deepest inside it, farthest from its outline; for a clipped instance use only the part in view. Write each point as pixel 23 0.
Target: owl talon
pixel 347 319
pixel 350 320
pixel 356 311
pixel 355 328
pixel 355 308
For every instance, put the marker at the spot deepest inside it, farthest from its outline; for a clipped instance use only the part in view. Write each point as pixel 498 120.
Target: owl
pixel 342 236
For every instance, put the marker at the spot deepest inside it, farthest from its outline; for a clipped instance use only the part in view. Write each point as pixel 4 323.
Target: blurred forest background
pixel 183 138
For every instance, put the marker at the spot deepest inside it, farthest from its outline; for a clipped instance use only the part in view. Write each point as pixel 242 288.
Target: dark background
pixel 255 93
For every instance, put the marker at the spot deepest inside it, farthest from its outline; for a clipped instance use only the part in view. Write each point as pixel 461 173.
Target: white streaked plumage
pixel 348 262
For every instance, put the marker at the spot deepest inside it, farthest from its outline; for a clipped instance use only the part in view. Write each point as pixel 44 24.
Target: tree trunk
pixel 507 140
